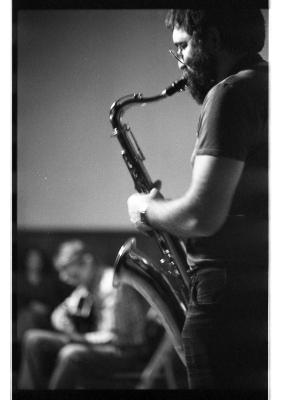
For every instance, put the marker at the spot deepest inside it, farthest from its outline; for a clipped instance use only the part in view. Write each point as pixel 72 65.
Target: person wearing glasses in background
pixel 223 214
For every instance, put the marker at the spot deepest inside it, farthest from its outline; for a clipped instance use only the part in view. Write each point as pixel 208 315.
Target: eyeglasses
pixel 179 48
pixel 175 55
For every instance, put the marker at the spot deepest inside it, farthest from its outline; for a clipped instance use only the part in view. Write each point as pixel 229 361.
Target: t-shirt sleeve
pixel 225 123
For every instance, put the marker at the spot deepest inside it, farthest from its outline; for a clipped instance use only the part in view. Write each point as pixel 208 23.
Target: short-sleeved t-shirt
pixel 234 124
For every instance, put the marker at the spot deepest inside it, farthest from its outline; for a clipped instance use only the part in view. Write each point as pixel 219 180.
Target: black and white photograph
pixel 140 200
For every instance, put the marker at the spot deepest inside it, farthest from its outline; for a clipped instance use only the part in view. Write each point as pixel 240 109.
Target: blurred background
pixel 70 179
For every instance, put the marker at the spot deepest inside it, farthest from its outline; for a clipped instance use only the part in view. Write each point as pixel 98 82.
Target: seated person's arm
pixel 105 333
pixel 99 337
pixel 60 319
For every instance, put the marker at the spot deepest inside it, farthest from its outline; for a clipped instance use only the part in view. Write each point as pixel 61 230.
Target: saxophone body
pixel 164 285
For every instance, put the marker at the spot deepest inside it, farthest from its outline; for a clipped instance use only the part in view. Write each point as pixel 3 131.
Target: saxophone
pixel 164 285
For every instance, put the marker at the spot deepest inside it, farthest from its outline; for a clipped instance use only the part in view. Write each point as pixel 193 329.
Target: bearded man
pixel 223 214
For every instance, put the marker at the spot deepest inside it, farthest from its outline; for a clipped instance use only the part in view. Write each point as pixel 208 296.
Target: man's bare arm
pixel 205 205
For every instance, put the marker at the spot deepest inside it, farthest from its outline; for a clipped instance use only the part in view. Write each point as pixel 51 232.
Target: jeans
pixel 50 361
pixel 225 332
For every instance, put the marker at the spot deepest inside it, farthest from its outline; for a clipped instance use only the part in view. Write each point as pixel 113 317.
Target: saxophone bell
pixel 134 268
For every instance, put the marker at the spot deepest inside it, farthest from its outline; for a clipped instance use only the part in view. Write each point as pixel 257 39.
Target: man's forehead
pixel 180 35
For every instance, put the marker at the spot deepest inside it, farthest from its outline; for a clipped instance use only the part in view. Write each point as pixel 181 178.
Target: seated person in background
pixel 100 330
pixel 34 293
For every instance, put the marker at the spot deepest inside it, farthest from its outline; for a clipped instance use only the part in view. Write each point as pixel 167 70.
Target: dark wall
pixel 105 244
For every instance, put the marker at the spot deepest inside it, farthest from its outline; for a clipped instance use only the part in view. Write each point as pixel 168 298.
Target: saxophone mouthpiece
pixel 177 86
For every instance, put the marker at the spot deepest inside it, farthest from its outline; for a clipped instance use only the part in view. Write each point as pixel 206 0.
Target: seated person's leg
pixel 29 318
pixel 40 349
pixel 80 365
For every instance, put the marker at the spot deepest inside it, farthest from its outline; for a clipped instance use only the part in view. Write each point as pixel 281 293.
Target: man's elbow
pixel 204 226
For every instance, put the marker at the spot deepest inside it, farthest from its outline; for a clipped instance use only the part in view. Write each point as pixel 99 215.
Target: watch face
pixel 143 217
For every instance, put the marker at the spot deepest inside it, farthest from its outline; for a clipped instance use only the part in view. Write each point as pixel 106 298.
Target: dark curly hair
pixel 241 30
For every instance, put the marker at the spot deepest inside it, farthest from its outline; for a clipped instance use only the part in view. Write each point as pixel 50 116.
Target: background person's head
pixel 76 263
pixel 35 265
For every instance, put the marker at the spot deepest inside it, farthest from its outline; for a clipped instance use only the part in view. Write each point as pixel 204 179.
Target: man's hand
pixel 100 337
pixel 61 321
pixel 137 203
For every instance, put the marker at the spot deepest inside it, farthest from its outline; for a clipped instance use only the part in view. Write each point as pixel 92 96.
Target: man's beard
pixel 202 74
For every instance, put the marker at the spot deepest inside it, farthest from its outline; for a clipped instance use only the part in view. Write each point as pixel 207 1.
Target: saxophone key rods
pixel 164 286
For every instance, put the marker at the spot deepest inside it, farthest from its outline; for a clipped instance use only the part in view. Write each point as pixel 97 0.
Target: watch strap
pixel 143 217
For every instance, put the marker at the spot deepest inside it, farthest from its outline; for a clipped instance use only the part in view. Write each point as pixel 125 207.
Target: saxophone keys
pixel 115 132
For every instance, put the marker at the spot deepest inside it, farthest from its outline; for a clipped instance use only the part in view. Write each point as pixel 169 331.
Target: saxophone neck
pixel 120 106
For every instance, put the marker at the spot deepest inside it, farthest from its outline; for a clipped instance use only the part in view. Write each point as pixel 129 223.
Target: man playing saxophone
pixel 223 214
